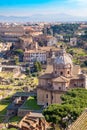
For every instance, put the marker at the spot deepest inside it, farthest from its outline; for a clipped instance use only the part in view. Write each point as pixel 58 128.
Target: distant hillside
pixel 42 18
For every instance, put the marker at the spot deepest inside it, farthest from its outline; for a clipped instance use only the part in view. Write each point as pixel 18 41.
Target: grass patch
pixel 31 104
pixel 15 119
pixel 3 107
pixel 1 119
pixel 78 51
pixel 78 54
pixel 3 110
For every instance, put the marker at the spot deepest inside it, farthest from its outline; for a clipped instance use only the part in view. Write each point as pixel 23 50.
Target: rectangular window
pixel 59 88
pixel 52 97
pixel 74 84
pixel 46 95
pixel 47 103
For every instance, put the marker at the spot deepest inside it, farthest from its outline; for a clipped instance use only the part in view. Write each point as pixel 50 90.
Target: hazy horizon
pixel 28 7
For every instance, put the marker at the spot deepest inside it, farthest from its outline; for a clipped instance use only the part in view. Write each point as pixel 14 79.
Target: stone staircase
pixel 80 123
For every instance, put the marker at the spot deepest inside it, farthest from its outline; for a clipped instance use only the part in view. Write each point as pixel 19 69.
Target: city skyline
pixel 28 7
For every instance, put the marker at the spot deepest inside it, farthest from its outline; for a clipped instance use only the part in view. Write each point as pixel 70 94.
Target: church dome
pixel 63 59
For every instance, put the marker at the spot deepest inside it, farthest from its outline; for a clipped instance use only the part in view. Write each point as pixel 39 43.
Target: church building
pixel 63 76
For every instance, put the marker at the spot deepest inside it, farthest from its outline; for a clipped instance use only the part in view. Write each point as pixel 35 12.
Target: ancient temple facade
pixel 60 78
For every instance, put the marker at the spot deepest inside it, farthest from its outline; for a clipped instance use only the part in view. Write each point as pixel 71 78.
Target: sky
pixel 33 7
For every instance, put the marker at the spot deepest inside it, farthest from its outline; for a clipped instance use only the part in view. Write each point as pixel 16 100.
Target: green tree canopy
pixel 16 59
pixel 67 29
pixel 37 66
pixel 18 52
pixel 73 103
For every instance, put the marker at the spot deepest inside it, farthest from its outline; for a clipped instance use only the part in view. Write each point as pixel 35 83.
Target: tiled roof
pixel 49 69
pixel 47 48
pixel 46 76
pixel 35 51
pixel 61 79
pixel 80 123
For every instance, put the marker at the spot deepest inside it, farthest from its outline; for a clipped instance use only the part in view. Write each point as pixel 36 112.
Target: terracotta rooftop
pixel 47 48
pixel 33 114
pixel 79 76
pixel 26 38
pixel 61 79
pixel 76 69
pixel 35 51
pixel 49 69
pixel 80 123
pixel 12 29
pixel 46 76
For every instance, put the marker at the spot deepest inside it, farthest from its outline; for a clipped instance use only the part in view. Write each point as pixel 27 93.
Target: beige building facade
pixel 35 55
pixel 63 76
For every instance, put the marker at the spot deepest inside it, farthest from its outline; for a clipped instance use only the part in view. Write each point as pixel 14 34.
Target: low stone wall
pixel 23 112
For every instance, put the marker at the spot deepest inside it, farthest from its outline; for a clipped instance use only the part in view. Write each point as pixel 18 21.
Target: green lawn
pixel 78 51
pixel 31 104
pixel 3 107
pixel 1 119
pixel 15 119
pixel 3 110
